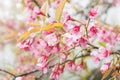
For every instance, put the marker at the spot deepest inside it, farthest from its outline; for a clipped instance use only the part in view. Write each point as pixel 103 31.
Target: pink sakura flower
pixel 57 2
pixel 43 62
pixel 83 42
pixel 26 44
pixel 32 18
pixel 41 44
pixel 100 54
pixel 65 27
pixel 51 39
pixel 61 68
pixel 57 70
pixel 55 49
pixel 95 56
pixel 71 65
pixel 19 78
pixel 37 11
pixel 105 67
pixel 43 66
pixel 67 39
pixel 104 52
pixel 44 57
pixel 76 29
pixel 118 37
pixel 55 73
pixel 79 66
pixel 29 5
pixel 93 31
pixel 108 37
pixel 68 18
pixel 64 57
pixel 93 13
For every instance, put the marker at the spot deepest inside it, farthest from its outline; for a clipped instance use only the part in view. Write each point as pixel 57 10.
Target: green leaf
pixel 59 10
pixel 102 43
pixel 37 29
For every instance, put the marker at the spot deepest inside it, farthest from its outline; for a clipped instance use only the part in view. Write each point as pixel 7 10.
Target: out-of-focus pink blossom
pixel 57 70
pixel 106 53
pixel 51 39
pixel 43 66
pixel 43 57
pixel 64 57
pixel 79 66
pixel 100 54
pixel 55 73
pixel 29 5
pixel 93 13
pixel 93 31
pixel 19 78
pixel 43 62
pixel 67 39
pixel 107 36
pixel 71 65
pixel 68 18
pixel 61 68
pixel 83 42
pixel 26 44
pixel 116 2
pixel 37 11
pixel 105 67
pixel 76 29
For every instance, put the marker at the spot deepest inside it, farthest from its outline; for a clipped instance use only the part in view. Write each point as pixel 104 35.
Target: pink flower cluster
pixel 53 43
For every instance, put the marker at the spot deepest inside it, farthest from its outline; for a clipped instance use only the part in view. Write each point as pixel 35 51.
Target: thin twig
pixel 36 3
pixel 7 72
pixel 36 70
pixel 28 73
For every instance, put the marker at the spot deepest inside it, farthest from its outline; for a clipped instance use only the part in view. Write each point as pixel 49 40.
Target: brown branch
pixel 77 57
pixel 28 73
pixel 81 56
pixel 7 72
pixel 37 3
pixel 31 72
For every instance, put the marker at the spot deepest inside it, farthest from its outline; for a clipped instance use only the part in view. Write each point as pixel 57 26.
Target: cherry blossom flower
pixel 55 73
pixel 67 39
pixel 93 13
pixel 100 54
pixel 43 62
pixel 43 66
pixel 64 57
pixel 19 78
pixel 26 44
pixel 93 31
pixel 51 39
pixel 61 68
pixel 37 11
pixel 79 66
pixel 83 42
pixel 71 65
pixel 105 67
pixel 68 18
pixel 76 29
pixel 44 57
pixel 95 56
pixel 29 5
